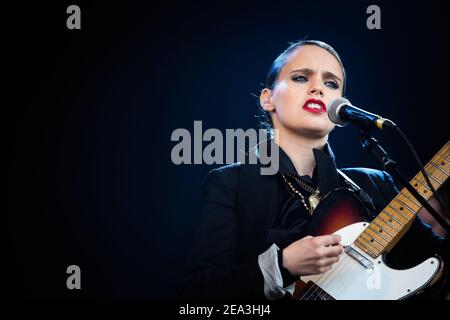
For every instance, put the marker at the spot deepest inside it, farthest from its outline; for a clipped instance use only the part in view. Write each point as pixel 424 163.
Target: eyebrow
pixel 325 74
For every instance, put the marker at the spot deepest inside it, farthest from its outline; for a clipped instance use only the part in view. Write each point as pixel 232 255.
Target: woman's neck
pixel 299 149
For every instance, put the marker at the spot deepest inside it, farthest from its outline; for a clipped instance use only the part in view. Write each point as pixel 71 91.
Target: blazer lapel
pixel 257 207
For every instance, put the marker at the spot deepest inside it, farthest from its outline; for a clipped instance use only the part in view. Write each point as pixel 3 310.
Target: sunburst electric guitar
pixel 362 272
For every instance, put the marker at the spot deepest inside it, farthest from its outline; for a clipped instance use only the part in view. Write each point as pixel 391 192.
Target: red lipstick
pixel 315 106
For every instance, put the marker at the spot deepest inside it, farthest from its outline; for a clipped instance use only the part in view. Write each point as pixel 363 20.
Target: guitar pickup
pixel 366 263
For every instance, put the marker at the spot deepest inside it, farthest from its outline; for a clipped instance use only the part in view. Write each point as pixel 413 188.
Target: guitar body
pixel 357 275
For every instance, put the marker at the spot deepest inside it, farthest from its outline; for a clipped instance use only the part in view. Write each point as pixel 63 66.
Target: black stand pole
pixel 374 148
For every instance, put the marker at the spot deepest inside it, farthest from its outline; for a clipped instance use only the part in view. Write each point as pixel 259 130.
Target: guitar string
pixel 341 279
pixel 324 283
pixel 346 279
pixel 316 290
pixel 337 268
pixel 310 192
pixel 330 275
pixel 327 274
pixel 337 280
pixel 439 158
pixel 321 281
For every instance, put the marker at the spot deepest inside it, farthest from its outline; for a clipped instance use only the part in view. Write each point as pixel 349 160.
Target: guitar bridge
pixel 366 263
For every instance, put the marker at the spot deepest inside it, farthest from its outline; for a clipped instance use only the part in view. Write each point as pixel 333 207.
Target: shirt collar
pixel 325 173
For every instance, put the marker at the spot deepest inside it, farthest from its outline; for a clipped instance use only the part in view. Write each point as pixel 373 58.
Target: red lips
pixel 322 109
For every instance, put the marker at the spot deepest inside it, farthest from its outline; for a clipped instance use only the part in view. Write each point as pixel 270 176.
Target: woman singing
pixel 253 239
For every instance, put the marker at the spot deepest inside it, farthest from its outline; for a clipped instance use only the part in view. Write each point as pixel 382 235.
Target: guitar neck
pixel 391 224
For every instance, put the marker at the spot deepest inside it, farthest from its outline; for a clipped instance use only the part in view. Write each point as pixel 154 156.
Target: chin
pixel 316 128
pixel 314 131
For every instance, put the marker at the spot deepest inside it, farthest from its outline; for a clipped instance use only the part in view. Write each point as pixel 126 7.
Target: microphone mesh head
pixel 333 109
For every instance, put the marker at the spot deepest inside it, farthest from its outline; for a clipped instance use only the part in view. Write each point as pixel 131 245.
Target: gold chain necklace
pixel 313 199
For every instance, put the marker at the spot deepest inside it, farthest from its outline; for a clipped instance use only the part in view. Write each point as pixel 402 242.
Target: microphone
pixel 341 112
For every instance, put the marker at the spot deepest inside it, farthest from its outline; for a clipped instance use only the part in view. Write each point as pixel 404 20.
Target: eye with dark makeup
pixel 299 78
pixel 329 83
pixel 332 84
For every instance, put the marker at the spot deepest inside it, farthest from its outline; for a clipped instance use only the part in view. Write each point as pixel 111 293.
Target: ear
pixel 265 100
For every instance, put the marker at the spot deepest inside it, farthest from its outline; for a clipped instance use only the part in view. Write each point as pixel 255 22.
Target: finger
pixel 326 262
pixel 333 251
pixel 328 240
pixel 324 269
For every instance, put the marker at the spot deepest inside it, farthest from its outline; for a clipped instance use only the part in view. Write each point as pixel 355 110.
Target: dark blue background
pixel 88 171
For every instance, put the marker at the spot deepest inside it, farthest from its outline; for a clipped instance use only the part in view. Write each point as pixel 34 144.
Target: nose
pixel 316 88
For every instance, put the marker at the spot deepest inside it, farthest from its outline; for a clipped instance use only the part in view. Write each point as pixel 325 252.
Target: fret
pixel 443 154
pixel 436 175
pixel 392 226
pixel 383 229
pixel 379 234
pixel 439 168
pixel 395 209
pixel 367 241
pixel 436 183
pixel 380 247
pixel 433 174
pixel 374 249
pixel 441 164
pixel 314 292
pixel 371 253
pixel 412 199
pixel 437 164
pixel 385 226
pixel 392 217
pixel 425 185
pixel 393 221
pixel 404 205
pixel 383 246
pixel 375 235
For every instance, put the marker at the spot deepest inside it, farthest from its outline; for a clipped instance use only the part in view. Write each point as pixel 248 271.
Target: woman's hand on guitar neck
pixel 312 255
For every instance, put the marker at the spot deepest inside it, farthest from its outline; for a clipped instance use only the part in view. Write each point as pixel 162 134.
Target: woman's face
pixel 310 79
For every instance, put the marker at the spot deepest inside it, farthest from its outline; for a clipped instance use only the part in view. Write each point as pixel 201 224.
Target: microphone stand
pixel 374 148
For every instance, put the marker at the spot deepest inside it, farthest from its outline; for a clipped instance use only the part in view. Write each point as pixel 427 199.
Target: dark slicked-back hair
pixel 278 64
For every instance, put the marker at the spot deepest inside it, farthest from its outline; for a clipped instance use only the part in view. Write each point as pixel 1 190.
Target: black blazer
pixel 238 207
